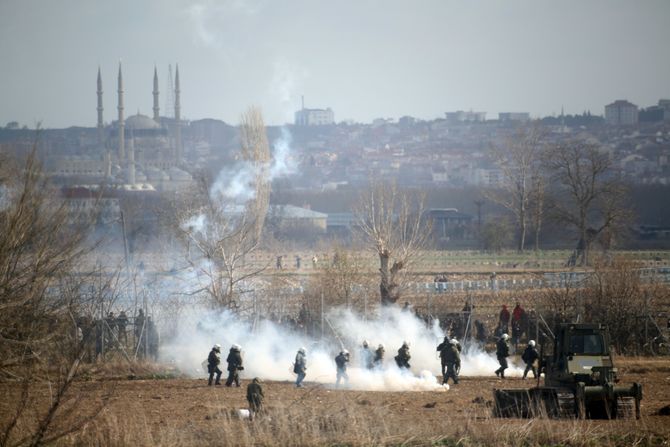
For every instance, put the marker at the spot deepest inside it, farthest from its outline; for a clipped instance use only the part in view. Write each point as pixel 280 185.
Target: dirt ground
pixel 166 410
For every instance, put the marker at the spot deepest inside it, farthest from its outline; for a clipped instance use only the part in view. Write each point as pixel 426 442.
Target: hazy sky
pixel 363 58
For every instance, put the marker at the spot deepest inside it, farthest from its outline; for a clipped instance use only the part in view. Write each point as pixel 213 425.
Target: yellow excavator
pixel 580 381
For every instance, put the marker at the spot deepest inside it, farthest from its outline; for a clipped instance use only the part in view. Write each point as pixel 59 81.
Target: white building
pixel 465 117
pixel 314 117
pixel 513 116
pixel 621 112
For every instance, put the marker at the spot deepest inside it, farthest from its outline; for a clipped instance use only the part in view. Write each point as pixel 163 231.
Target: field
pixel 142 411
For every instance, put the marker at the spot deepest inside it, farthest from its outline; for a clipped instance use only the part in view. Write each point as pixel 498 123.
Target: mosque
pixel 134 153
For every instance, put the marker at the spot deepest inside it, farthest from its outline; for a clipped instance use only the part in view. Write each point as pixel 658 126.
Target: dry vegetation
pixel 144 412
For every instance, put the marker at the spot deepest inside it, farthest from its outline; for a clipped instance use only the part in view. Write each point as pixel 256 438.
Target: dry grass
pixel 353 425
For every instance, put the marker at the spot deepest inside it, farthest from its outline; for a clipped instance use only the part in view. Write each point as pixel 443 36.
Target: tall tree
pixel 537 205
pixel 223 224
pixel 391 221
pixel 588 196
pixel 518 161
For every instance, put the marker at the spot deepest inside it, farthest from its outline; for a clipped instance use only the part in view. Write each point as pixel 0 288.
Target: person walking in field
pixel 341 362
pixel 442 349
pixel 403 357
pixel 300 367
pixel 529 357
pixel 234 366
pixel 379 356
pixel 502 352
pixel 213 362
pixel 255 397
pixel 452 358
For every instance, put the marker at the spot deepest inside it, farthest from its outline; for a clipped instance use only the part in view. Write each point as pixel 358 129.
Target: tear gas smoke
pixel 282 163
pixel 236 183
pixel 269 349
pixel 195 224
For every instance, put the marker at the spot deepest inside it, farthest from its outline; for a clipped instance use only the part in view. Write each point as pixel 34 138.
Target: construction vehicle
pixel 579 381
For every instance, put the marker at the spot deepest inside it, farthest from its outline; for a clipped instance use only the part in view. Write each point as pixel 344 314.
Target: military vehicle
pixel 579 381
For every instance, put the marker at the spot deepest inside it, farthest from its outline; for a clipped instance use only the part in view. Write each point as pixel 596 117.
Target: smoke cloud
pixel 269 349
pixel 235 184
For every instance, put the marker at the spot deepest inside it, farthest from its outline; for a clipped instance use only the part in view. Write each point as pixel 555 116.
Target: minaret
pixel 101 130
pixel 177 115
pixel 131 158
pixel 156 109
pixel 122 125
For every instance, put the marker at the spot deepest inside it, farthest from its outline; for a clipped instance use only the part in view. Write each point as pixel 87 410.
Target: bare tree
pixel 41 245
pixel 256 151
pixel 537 205
pixel 38 243
pixel 391 221
pixel 519 162
pixel 338 278
pixel 223 227
pixel 496 235
pixel 587 196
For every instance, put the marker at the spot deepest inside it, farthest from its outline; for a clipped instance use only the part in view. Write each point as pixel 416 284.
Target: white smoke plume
pixel 236 183
pixel 195 224
pixel 269 349
pixel 283 164
pixel 288 80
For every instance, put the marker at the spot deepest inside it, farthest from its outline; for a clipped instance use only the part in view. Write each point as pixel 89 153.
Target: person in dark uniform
pixel 529 357
pixel 502 352
pixel 213 362
pixel 379 356
pixel 255 397
pixel 403 357
pixel 451 358
pixel 442 349
pixel 341 362
pixel 300 367
pixel 234 365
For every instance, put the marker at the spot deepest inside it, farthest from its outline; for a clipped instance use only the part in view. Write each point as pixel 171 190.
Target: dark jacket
pixel 214 359
pixel 300 365
pixel 341 361
pixel 403 357
pixel 502 349
pixel 450 354
pixel 234 360
pixel 255 395
pixel 379 356
pixel 530 355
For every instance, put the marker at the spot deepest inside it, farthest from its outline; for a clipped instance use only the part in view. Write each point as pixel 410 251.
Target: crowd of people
pixel 370 358
pixel 449 351
pixel 138 336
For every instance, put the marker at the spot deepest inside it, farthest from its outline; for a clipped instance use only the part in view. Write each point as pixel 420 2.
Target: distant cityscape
pixel 141 155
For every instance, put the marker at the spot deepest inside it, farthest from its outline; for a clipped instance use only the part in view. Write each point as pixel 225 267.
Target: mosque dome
pixel 141 122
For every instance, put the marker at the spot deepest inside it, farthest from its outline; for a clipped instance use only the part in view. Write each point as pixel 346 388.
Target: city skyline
pixel 363 62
